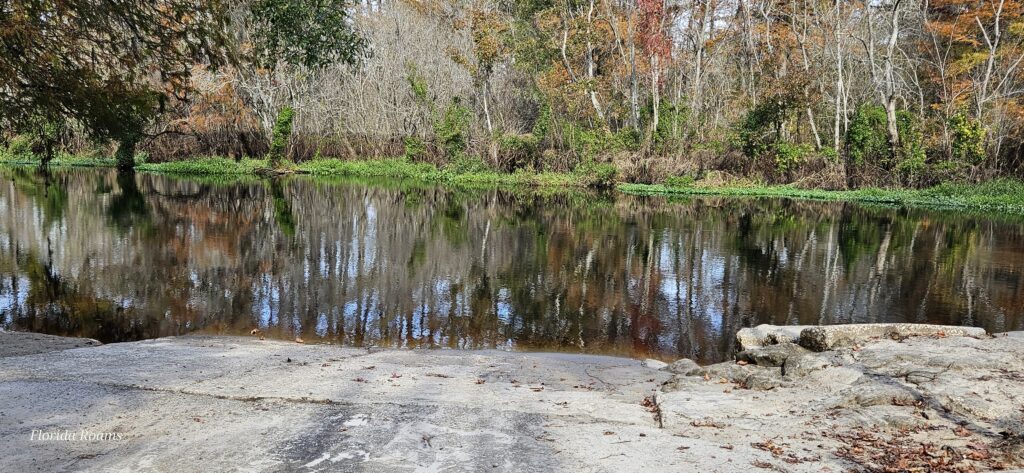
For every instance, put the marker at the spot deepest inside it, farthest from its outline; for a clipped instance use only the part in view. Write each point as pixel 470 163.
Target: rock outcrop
pixel 826 337
pixel 883 400
pixel 881 397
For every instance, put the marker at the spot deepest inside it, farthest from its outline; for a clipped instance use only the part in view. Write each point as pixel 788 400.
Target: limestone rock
pixel 772 355
pixel 832 378
pixel 685 367
pixel 728 370
pixel 765 334
pixel 655 364
pixel 763 379
pixel 871 393
pixel 828 337
pixel 680 383
pixel 802 364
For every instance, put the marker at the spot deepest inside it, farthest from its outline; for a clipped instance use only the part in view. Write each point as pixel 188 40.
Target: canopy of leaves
pixel 303 32
pixel 107 64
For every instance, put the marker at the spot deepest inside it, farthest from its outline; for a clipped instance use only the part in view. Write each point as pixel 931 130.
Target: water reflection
pixel 130 257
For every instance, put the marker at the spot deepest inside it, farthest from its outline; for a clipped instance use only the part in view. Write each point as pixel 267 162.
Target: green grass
pixel 207 166
pixel 399 168
pixel 1003 195
pixel 62 160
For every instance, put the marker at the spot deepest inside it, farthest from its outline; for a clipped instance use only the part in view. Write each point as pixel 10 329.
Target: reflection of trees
pixel 47 189
pixel 54 305
pixel 421 266
pixel 282 209
pixel 127 207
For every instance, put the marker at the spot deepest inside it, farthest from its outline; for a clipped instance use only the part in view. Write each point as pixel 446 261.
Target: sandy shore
pixel 861 400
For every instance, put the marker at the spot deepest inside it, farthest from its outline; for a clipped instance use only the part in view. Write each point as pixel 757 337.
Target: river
pixel 90 253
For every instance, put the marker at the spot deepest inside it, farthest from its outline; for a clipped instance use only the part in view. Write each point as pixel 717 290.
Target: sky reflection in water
pixel 119 258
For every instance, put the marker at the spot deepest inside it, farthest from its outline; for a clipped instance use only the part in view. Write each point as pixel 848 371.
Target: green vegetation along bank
pixel 1001 195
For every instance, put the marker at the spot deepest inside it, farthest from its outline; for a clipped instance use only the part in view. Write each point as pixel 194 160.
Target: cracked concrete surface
pixel 240 404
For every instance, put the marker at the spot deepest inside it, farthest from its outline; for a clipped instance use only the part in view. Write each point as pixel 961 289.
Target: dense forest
pixel 829 95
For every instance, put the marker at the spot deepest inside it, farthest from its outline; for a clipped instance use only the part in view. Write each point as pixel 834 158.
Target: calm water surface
pixel 117 258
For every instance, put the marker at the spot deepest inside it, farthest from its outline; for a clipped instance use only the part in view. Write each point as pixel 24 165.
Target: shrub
pixel 866 138
pixel 671 117
pixel 417 85
pixel 542 125
pixel 912 169
pixel 588 143
pixel 968 139
pixel 415 148
pixel 788 155
pixel 912 163
pixel 760 128
pixel 597 175
pixel 20 147
pixel 281 134
pixel 829 153
pixel 464 164
pixel 37 139
pixel 518 151
pixel 867 141
pixel 452 129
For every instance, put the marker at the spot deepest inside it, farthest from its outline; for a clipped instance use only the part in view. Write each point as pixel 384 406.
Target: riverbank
pixel 940 399
pixel 1002 195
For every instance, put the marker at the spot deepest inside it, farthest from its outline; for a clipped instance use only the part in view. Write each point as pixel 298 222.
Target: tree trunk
pixel 590 70
pixel 655 96
pixel 634 95
pixel 890 126
pixel 48 152
pixel 126 154
pixel 890 83
pixel 487 110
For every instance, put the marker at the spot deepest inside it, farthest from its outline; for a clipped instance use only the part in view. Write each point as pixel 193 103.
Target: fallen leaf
pixel 707 423
pixel 768 446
